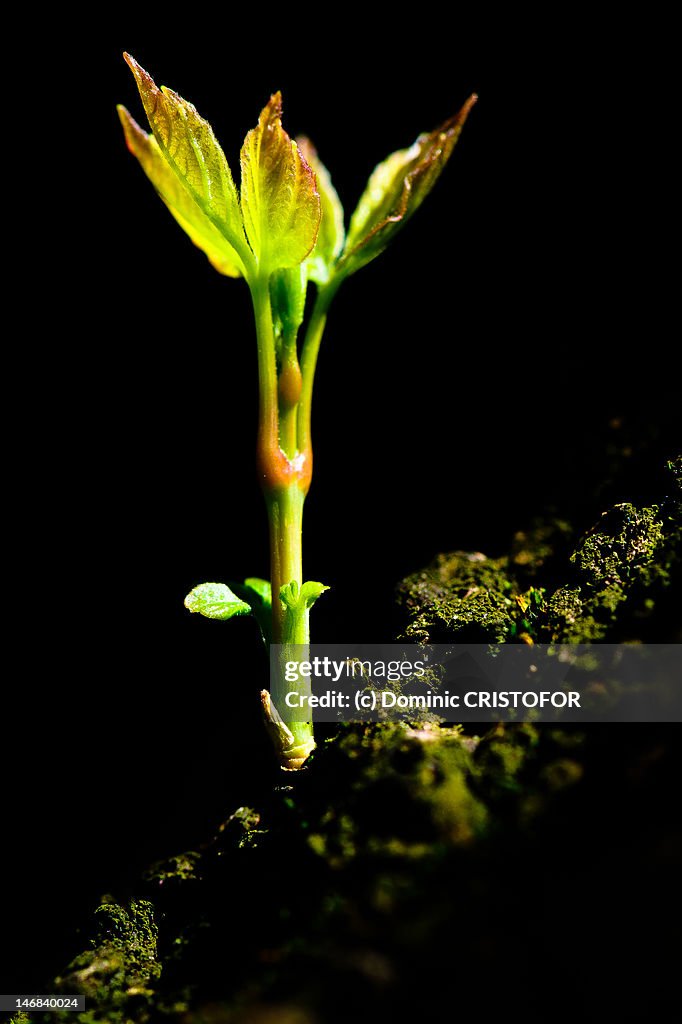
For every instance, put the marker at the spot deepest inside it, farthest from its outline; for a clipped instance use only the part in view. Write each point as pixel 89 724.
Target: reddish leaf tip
pixel 131 130
pixel 140 74
pixel 458 120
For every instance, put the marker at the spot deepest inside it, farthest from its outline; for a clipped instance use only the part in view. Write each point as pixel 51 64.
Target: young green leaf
pixel 257 594
pixel 396 189
pixel 178 199
pixel 331 234
pixel 215 601
pixel 191 150
pixel 297 598
pixel 297 602
pixel 310 592
pixel 280 202
pixel 261 588
pixel 287 299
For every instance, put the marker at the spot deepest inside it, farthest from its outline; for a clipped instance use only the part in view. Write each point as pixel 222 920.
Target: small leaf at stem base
pixel 261 588
pixel 293 596
pixel 258 595
pixel 216 601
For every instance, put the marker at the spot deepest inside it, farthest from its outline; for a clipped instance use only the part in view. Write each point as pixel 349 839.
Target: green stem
pixel 311 347
pixel 284 471
pixel 289 394
pixel 285 516
pixel 290 625
pixel 268 412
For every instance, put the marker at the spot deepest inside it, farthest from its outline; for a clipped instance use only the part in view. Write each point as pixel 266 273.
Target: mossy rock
pixel 603 589
pixel 119 969
pixel 410 863
pixel 620 568
pixel 323 888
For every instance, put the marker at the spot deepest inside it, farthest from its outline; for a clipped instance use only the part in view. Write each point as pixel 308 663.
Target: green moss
pixel 468 597
pixel 344 856
pixel 464 595
pixel 119 970
pixel 404 846
pixel 502 755
pixel 372 775
pixel 621 548
pixel 618 567
pixel 533 551
pixel 544 591
pixel 180 868
pixel 568 619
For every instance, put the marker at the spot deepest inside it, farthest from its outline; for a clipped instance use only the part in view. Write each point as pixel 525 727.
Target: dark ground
pixel 496 363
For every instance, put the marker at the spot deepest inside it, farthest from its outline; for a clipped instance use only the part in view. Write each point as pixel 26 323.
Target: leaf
pixel 396 189
pixel 257 594
pixel 297 601
pixel 178 199
pixel 215 601
pixel 310 592
pixel 332 233
pixel 289 594
pixel 261 588
pixel 280 202
pixel 287 299
pixel 191 150
pixel 295 597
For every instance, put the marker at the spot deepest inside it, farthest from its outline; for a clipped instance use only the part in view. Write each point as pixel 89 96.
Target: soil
pixel 411 864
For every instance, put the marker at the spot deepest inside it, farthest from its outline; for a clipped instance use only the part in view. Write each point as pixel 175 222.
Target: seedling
pixel 284 228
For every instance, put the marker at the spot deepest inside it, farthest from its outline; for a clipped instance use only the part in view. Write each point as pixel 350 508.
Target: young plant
pixel 284 228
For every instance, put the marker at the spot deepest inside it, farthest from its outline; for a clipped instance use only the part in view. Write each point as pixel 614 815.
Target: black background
pixel 466 378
